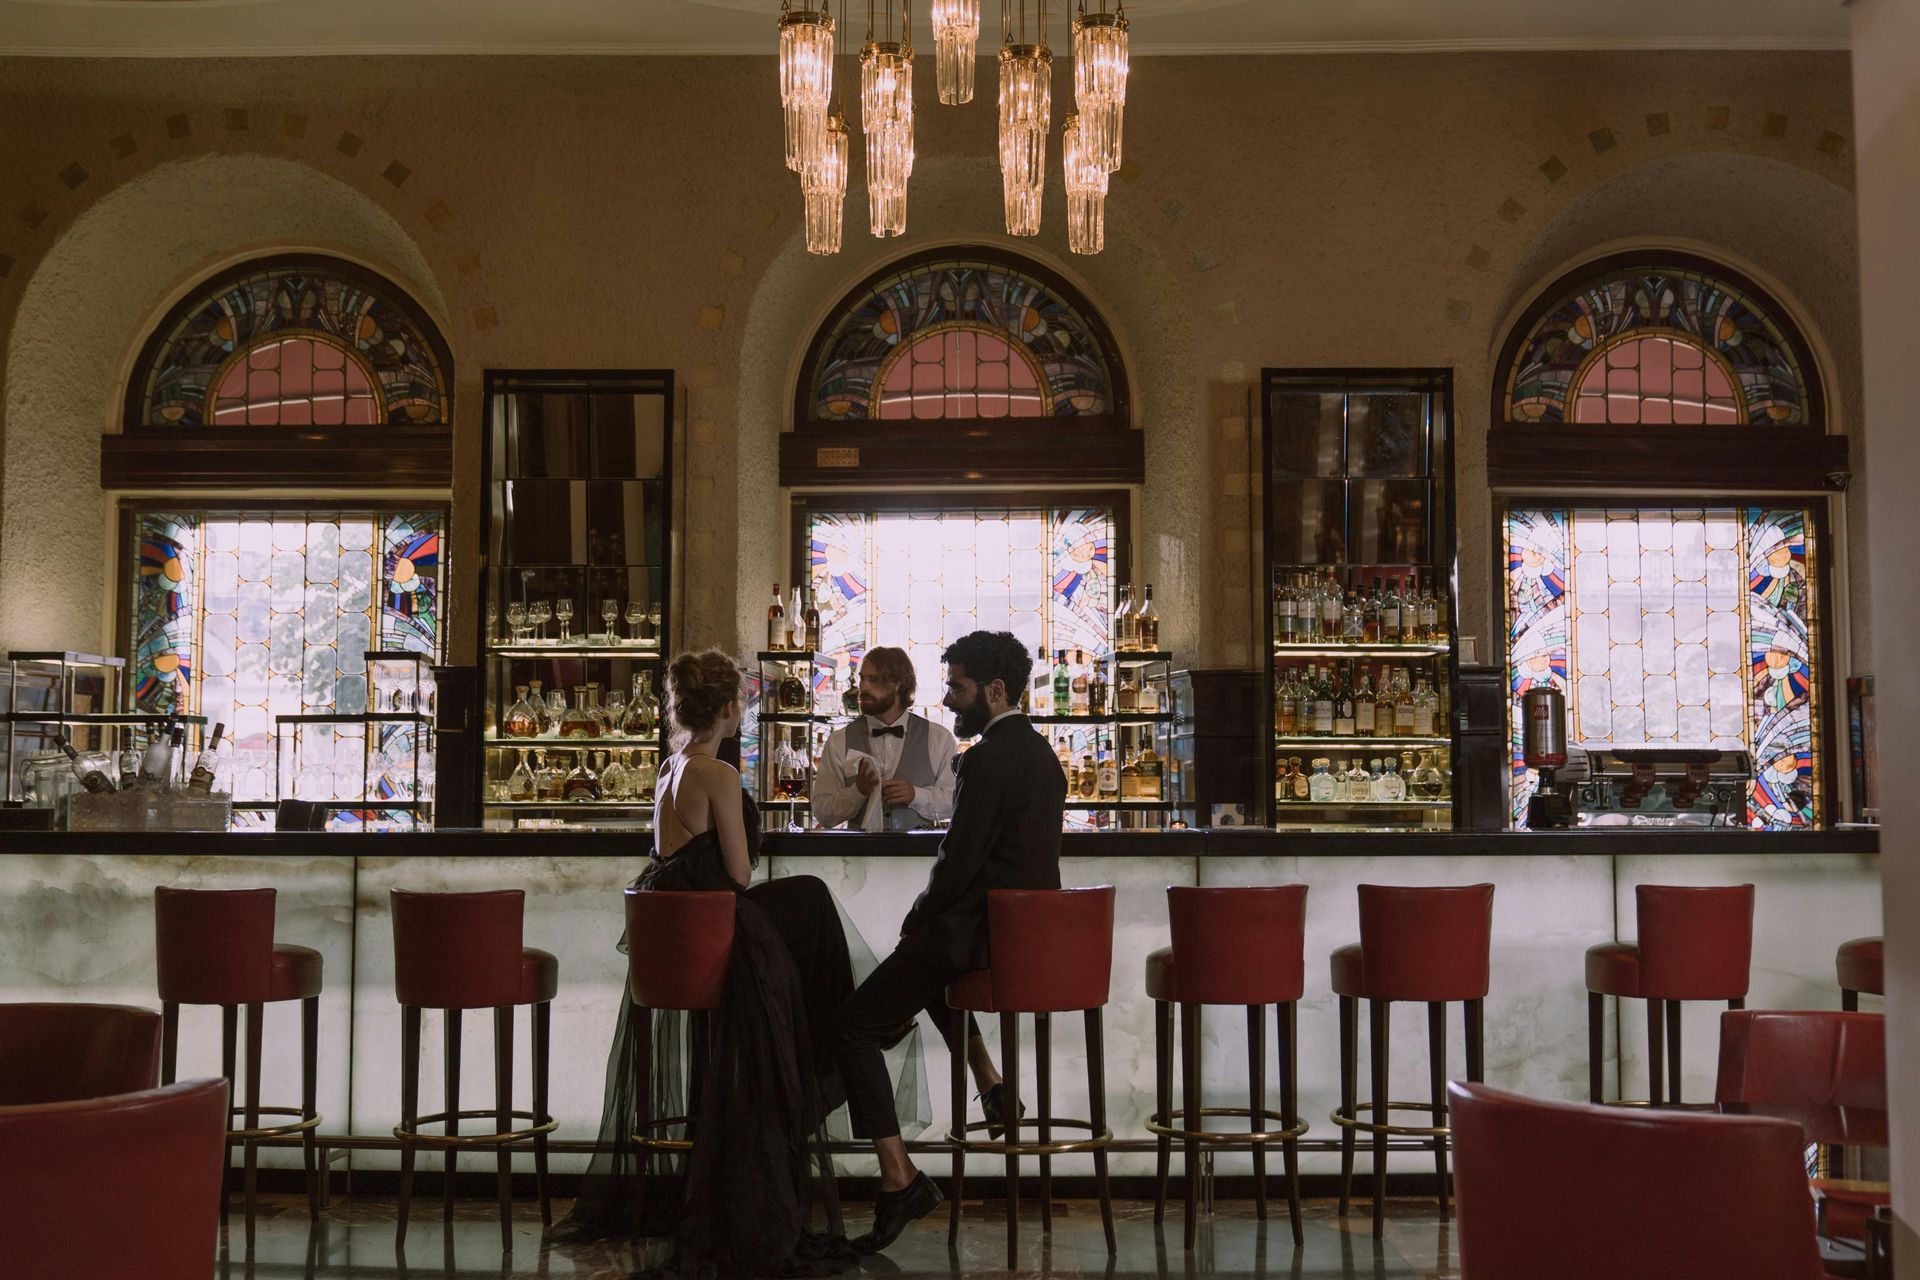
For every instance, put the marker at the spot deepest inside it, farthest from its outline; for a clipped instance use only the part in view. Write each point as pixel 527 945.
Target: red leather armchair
pixel 1809 1058
pixel 65 1052
pixel 1596 1193
pixel 127 1185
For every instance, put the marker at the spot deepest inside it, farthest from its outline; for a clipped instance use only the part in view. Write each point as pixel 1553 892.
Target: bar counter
pixel 76 923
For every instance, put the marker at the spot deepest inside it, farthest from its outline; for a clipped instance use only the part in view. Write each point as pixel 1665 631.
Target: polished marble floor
pixel 355 1239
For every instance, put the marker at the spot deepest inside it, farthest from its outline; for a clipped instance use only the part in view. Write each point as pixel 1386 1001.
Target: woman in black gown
pixel 751 1201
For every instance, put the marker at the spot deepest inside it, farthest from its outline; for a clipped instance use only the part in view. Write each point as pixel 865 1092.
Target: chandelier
pixel 817 141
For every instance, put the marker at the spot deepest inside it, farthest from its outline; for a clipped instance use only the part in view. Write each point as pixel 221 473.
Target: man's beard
pixel 872 705
pixel 971 720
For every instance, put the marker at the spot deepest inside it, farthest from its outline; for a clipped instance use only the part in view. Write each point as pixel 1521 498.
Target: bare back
pixel 696 794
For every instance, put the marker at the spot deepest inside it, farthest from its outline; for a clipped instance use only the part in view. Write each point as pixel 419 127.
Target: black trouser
pixel 897 991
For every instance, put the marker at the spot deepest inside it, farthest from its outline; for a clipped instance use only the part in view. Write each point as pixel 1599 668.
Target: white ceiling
pixel 163 28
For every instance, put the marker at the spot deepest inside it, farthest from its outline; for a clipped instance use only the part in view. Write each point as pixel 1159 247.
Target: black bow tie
pixel 891 731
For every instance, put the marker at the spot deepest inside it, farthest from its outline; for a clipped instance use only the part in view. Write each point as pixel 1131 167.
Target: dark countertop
pixel 1227 842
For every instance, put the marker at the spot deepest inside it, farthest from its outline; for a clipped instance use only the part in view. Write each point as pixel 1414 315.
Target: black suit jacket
pixel 1005 834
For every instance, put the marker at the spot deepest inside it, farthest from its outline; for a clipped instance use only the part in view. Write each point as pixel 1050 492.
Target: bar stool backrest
pixel 678 945
pixel 1808 1058
pixel 1426 944
pixel 1695 944
pixel 1239 945
pixel 126 1185
pixel 1597 1193
pixel 457 950
pixel 1052 948
pixel 215 946
pixel 64 1052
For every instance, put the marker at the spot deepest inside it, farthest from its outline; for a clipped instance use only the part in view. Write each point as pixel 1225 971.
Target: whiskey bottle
pixel 793 690
pixel 1383 717
pixel 1149 765
pixel 812 624
pixel 1363 708
pixel 1283 613
pixel 1410 614
pixel 1097 689
pixel 1286 706
pixel 1063 752
pixel 1147 626
pixel 776 622
pixel 1062 685
pixel 1370 623
pixel 1089 775
pixel 1130 779
pixel 1123 620
pixel 1353 620
pixel 1344 707
pixel 1300 780
pixel 1430 632
pixel 1081 688
pixel 1424 707
pixel 200 781
pixel 1323 706
pixel 1330 608
pixel 1107 783
pixel 1403 712
pixel 1390 615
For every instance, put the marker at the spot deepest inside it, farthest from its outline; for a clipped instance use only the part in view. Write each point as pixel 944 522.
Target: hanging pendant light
pixel 956 36
pixel 824 184
pixel 1086 176
pixel 1100 80
pixel 806 79
pixel 886 118
pixel 1026 111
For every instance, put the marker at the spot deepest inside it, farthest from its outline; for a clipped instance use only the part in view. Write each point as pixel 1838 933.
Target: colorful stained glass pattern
pixel 1681 627
pixel 246 616
pixel 1721 327
pixel 921 580
pixel 306 343
pixel 961 339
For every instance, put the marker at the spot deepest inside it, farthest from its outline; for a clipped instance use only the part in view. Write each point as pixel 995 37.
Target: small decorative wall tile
pixel 1554 168
pixel 1603 141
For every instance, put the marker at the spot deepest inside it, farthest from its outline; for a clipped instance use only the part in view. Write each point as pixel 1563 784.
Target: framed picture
pixel 1230 815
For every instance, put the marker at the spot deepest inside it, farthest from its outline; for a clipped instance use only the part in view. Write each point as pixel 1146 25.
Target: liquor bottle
pixel 1363 708
pixel 1080 689
pixel 1331 608
pixel 1147 625
pixel 849 693
pixel 1130 779
pixel 200 781
pixel 1123 620
pixel 1424 707
pixel 790 769
pixel 1062 685
pixel 1370 621
pixel 643 774
pixel 1282 784
pixel 1063 752
pixel 520 784
pixel 812 624
pixel 1282 614
pixel 1097 689
pixel 1088 778
pixel 643 708
pixel 1430 632
pixel 548 782
pixel 1359 784
pixel 129 763
pixel 1299 777
pixel 156 767
pixel 1320 785
pixel 1149 767
pixel 796 621
pixel 792 693
pixel 580 784
pixel 1410 614
pixel 1323 706
pixel 1391 785
pixel 1128 697
pixel 1383 725
pixel 616 780
pixel 1390 615
pixel 91 776
pixel 1403 712
pixel 1423 782
pixel 1343 706
pixel 1353 619
pixel 1107 783
pixel 579 720
pixel 776 622
pixel 1286 706
pixel 538 705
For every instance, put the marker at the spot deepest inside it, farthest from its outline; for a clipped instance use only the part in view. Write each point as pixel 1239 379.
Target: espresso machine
pixel 1543 747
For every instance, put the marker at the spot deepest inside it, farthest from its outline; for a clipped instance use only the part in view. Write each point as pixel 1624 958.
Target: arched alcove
pixel 83 316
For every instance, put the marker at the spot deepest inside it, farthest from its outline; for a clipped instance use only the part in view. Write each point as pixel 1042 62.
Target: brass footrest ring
pixel 1226 1137
pixel 646 1142
pixel 1094 1142
pixel 1346 1121
pixel 416 1138
pixel 270 1130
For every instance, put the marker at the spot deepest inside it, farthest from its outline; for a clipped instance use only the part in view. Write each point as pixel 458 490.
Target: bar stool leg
pixel 1043 1085
pixel 1287 1028
pixel 1476 1041
pixel 256 1019
pixel 229 1067
pixel 1596 1047
pixel 1437 1081
pixel 1257 1101
pixel 1010 1052
pixel 542 1056
pixel 642 1068
pixel 409 1112
pixel 957 1038
pixel 1163 1100
pixel 170 1040
pixel 503 1116
pixel 1656 1053
pixel 1379 1025
pixel 1849 1002
pixel 1349 1074
pixel 450 1062
pixel 1673 1049
pixel 1097 1116
pixel 310 1097
pixel 1190 1119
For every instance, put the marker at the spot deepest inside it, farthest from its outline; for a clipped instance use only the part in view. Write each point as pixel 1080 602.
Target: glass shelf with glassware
pixel 377 766
pixel 797 707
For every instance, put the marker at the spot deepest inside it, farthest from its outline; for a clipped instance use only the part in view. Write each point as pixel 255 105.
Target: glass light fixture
pixel 956 35
pixel 886 118
pixel 1086 176
pixel 1026 110
pixel 806 79
pixel 824 183
pixel 1100 80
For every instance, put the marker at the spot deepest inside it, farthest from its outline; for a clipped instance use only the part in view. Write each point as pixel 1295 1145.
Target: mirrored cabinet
pixel 577 599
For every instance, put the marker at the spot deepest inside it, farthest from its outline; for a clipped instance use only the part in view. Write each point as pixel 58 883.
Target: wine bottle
pixel 776 621
pixel 812 624
pixel 200 781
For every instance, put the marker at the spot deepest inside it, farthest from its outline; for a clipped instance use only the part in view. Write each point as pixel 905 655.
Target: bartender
pixel 887 769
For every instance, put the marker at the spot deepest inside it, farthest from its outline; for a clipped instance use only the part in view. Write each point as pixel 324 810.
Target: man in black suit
pixel 1005 834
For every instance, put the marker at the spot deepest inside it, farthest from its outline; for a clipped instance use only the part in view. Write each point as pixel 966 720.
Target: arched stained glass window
pixel 945 337
pixel 305 341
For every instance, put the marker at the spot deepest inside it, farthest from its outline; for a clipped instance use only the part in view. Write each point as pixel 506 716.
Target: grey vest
pixel 916 765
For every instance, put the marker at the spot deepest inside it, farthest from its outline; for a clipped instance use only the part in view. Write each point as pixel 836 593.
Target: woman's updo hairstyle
pixel 699 687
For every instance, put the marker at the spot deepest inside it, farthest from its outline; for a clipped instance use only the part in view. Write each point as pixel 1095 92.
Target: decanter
pixel 581 784
pixel 793 689
pixel 643 774
pixel 1424 784
pixel 643 708
pixel 520 783
pixel 522 720
pixel 578 720
pixel 615 781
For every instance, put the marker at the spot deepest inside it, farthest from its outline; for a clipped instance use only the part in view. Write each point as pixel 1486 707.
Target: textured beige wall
pixel 1352 210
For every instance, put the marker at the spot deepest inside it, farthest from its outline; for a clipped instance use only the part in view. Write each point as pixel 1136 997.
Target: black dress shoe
pixel 895 1211
pixel 993 1106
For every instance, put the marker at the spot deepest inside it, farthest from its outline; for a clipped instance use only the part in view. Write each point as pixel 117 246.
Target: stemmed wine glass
pixel 635 612
pixel 609 613
pixel 538 613
pixel 517 620
pixel 563 610
pixel 493 617
pixel 556 710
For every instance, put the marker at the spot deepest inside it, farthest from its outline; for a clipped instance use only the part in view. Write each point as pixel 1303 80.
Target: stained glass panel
pixel 1673 626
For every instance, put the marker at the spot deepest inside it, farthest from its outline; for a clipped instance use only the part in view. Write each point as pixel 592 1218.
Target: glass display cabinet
pixel 1358 567
pixel 1110 719
pixel 576 596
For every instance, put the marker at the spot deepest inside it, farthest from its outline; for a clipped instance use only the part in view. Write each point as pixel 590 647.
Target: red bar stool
pixel 1860 966
pixel 215 946
pixel 1230 946
pixel 1432 946
pixel 1052 953
pixel 459 951
pixel 1695 944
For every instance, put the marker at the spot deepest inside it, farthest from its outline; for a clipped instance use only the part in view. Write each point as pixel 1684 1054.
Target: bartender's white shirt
pixel 836 794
